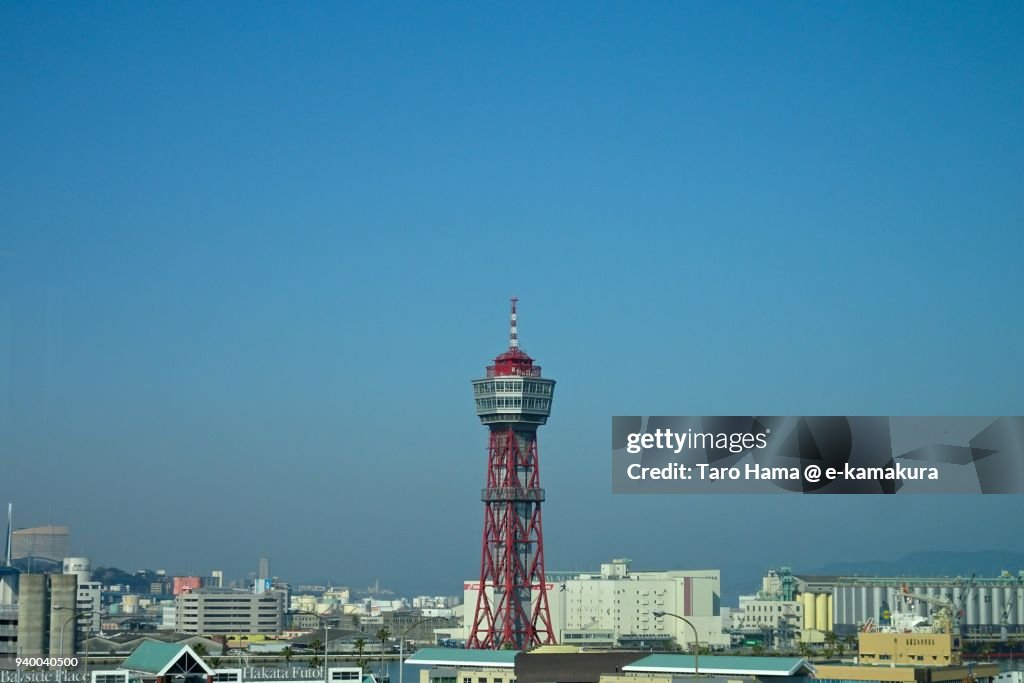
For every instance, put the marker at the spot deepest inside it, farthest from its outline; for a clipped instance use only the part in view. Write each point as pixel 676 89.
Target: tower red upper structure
pixel 512 605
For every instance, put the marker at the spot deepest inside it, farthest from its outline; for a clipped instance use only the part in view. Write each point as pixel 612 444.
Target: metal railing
pixel 513 494
pixel 514 371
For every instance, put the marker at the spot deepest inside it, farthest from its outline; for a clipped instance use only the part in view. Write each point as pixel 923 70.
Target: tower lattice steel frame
pixel 512 603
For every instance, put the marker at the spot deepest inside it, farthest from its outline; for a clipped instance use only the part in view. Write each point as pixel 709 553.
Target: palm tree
pixel 383 636
pixel 360 646
pixel 199 649
pixel 288 653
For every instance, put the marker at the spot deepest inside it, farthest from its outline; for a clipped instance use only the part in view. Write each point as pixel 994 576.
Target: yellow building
pixel 849 673
pixel 919 649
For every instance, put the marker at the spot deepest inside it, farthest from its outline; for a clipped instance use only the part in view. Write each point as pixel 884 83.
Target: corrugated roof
pixel 450 656
pixel 717 664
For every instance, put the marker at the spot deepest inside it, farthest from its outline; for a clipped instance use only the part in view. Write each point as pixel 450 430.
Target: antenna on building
pixel 513 332
pixel 10 520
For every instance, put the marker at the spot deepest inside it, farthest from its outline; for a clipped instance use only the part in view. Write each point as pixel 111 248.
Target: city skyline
pixel 251 258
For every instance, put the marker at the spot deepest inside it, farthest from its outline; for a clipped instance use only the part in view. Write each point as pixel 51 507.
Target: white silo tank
pixel 998 593
pixel 985 606
pixel 923 608
pixel 972 606
pixel 80 567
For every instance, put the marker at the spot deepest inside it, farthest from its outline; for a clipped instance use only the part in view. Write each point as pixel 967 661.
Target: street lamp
pixel 326 626
pixel 75 615
pixel 401 646
pixel 696 637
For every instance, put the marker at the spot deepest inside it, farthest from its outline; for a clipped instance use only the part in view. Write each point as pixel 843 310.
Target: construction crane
pixel 943 615
pixel 1004 619
pixel 966 585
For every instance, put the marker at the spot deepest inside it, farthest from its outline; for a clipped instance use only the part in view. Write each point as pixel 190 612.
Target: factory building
pixel 616 607
pixel 780 620
pixel 980 606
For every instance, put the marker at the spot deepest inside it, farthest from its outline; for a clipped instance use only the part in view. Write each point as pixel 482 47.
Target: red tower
pixel 512 605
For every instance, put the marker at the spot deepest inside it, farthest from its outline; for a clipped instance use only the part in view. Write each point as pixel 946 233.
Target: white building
pixel 89 600
pixel 616 607
pixel 780 621
pixel 431 602
pixel 221 611
pixel 168 619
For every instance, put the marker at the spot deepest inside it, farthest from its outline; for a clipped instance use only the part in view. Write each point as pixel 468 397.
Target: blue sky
pixel 251 255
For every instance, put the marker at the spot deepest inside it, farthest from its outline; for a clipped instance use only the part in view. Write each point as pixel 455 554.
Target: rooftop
pixel 157 658
pixel 450 656
pixel 719 664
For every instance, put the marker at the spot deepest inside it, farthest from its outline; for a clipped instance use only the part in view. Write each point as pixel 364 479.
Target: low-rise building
pixel 918 649
pixel 453 665
pixel 872 673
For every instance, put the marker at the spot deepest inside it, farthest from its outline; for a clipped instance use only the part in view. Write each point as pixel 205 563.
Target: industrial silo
pixel 1020 605
pixel 985 607
pixel 821 612
pixel 807 599
pixel 998 594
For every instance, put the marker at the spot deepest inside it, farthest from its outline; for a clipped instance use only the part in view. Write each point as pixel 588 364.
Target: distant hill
pixel 928 563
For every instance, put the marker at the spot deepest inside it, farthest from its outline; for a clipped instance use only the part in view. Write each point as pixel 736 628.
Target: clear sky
pixel 251 255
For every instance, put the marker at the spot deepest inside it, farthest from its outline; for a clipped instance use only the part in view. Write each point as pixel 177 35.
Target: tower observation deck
pixel 512 605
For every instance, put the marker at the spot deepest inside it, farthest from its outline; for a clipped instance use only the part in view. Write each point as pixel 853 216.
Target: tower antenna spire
pixel 513 330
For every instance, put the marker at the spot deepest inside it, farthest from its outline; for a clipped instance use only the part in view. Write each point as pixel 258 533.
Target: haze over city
pixel 251 257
